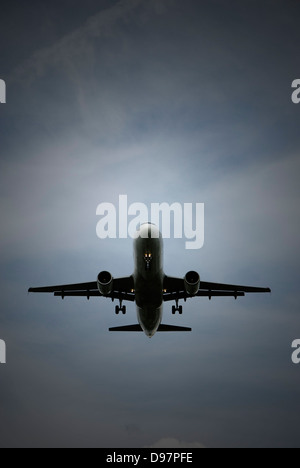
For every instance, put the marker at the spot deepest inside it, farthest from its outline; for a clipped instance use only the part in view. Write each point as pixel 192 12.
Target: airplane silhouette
pixel 149 287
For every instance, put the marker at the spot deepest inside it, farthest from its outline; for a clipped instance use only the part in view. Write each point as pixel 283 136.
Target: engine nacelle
pixel 105 283
pixel 192 283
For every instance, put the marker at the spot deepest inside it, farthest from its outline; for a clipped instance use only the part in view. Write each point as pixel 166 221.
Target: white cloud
pixel 76 49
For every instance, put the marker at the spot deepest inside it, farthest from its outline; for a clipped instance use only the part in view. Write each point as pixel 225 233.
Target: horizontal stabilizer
pixel 162 328
pixel 127 328
pixel 173 328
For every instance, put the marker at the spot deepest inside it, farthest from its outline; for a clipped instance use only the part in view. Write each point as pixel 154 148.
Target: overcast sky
pixel 164 101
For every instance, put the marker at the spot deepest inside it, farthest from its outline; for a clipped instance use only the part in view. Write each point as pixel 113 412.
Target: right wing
pixel 123 288
pixel 174 288
pixel 232 287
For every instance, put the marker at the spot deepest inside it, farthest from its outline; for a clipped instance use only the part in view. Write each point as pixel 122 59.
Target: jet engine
pixel 105 283
pixel 192 283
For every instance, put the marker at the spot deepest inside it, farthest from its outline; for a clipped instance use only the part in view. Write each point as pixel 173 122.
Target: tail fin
pixel 162 328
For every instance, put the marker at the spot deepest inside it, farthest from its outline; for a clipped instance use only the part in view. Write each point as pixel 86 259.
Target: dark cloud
pixel 169 442
pixel 162 101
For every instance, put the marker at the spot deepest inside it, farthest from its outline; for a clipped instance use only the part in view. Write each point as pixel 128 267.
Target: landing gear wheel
pixel 120 308
pixel 177 309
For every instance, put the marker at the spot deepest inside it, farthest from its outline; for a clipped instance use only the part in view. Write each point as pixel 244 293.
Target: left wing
pixel 174 288
pixel 123 289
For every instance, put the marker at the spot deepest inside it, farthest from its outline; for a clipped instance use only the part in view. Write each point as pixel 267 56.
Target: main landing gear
pixel 177 308
pixel 120 308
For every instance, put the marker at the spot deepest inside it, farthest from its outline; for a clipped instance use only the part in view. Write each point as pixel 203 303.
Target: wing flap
pixel 232 287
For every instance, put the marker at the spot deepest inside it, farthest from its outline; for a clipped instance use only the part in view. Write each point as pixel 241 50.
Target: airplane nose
pixel 149 231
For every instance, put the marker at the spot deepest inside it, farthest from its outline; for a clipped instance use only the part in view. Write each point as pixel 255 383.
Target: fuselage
pixel 149 277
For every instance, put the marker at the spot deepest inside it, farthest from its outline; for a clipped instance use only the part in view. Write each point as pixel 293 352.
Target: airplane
pixel 149 287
